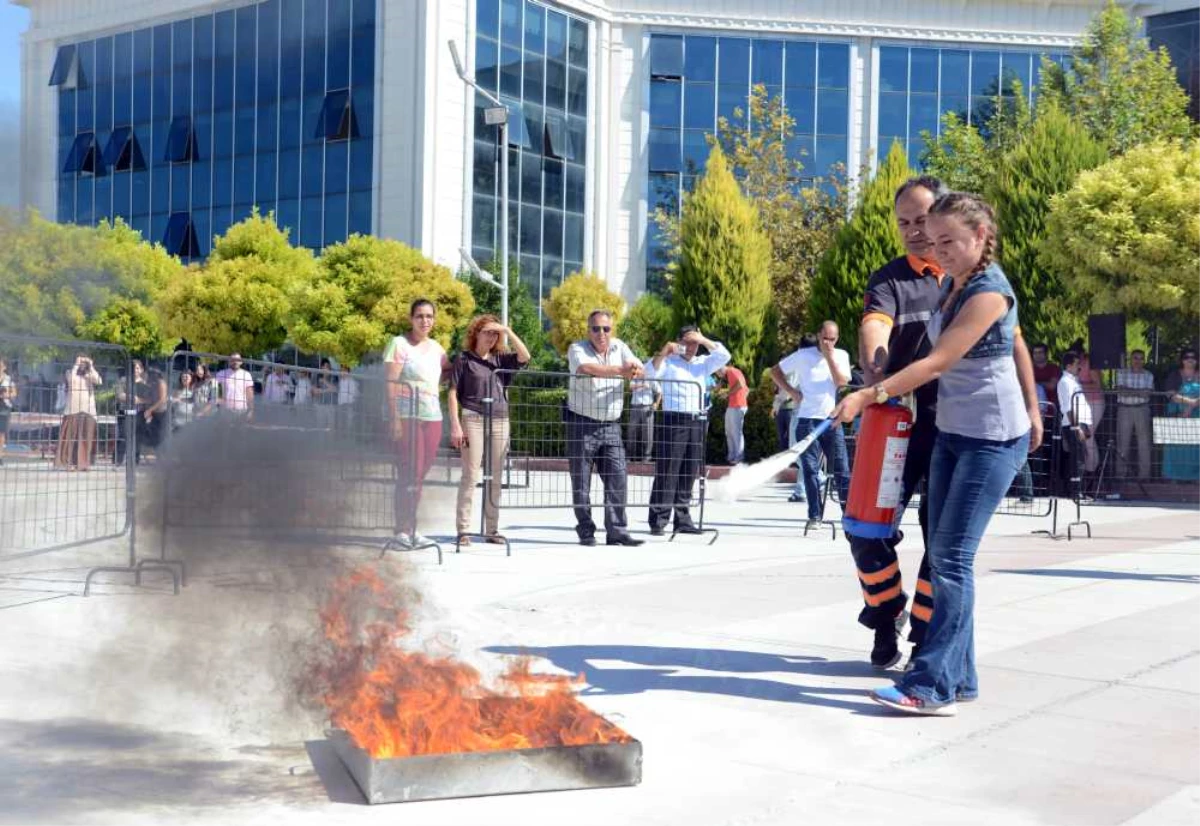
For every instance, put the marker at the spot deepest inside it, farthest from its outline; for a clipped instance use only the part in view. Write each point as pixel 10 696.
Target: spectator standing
pixel 483 370
pixel 236 387
pixel 141 394
pixel 781 413
pixel 1133 414
pixel 599 365
pixel 8 395
pixel 77 431
pixel 737 401
pixel 302 396
pixel 1045 372
pixel 1181 462
pixel 1075 421
pixel 150 420
pixel 207 390
pixel 416 365
pixel 183 401
pixel 347 387
pixel 277 386
pixel 822 371
pixel 639 434
pixel 679 440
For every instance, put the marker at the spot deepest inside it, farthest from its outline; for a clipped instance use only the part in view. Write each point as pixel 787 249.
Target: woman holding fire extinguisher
pixel 986 423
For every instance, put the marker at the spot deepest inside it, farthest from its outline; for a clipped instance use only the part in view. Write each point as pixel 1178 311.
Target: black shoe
pixel 656 531
pixel 795 498
pixel 625 539
pixel 689 528
pixel 587 541
pixel 886 652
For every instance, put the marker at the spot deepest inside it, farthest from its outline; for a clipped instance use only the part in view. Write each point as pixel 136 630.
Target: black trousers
pixel 639 433
pixel 595 443
pixel 876 560
pixel 1070 462
pixel 678 455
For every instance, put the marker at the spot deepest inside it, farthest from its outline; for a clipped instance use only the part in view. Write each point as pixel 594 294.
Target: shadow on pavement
pixel 72 769
pixel 659 670
pixel 1076 573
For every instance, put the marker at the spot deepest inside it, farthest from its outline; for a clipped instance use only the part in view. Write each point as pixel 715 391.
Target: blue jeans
pixel 832 443
pixel 967 480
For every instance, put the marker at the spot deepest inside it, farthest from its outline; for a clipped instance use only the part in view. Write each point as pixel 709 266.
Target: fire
pixel 398 703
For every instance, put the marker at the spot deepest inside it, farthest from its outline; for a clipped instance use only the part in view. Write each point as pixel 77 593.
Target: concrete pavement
pixel 738 665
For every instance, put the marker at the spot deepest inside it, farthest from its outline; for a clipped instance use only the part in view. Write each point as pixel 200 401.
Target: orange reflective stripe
pixel 875 600
pixel 880 576
pixel 921 612
pixel 923 587
pixel 884 317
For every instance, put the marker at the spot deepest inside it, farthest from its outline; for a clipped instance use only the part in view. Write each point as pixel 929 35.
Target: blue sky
pixel 13 21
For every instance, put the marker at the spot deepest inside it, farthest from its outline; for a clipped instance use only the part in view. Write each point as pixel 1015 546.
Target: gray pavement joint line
pixel 986 731
pixel 32 601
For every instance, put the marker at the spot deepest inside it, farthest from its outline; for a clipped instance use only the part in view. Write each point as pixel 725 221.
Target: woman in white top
pixel 277 387
pixel 416 365
pixel 77 432
pixel 8 398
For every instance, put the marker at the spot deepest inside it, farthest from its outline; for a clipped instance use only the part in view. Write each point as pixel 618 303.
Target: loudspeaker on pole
pixel 1106 341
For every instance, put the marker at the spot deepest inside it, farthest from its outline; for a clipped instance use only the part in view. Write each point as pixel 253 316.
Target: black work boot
pixel 886 651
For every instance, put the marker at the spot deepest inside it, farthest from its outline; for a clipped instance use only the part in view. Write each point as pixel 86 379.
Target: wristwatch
pixel 881 395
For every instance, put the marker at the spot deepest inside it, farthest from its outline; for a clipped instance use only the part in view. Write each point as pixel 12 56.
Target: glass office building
pixel 1179 33
pixel 919 85
pixel 535 58
pixel 184 128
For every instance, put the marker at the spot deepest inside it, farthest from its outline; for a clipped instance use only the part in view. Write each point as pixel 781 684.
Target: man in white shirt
pixel 347 388
pixel 1133 414
pixel 1076 420
pixel 599 367
pixel 679 440
pixel 236 387
pixel 820 370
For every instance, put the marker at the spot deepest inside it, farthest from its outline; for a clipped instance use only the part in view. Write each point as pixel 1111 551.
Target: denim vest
pixel 979 395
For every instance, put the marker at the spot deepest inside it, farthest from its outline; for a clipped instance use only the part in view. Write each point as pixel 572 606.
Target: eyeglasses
pixel 596 328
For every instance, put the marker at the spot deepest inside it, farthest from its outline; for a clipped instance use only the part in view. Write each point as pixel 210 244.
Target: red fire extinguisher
pixel 877 479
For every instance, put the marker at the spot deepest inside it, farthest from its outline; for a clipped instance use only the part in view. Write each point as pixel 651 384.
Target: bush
pixel 648 326
pixel 536 422
pixel 569 304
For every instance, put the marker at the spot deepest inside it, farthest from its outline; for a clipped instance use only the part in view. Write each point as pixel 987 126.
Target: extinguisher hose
pixel 745 478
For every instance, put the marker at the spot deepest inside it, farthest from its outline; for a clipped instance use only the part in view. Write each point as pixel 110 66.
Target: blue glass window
pixel 700 59
pixel 699 105
pixel 985 73
pixel 833 112
pixel 800 69
pixel 833 66
pixel 84 156
pixel 66 69
pixel 956 72
pixel 666 56
pixel 123 153
pixel 666 97
pixel 535 28
pixel 556 35
pixel 768 62
pixel 181 141
pixel 557 143
pixel 733 60
pixel 359 219
pixel 337 121
pixel 665 150
pixel 577 43
pixel 180 236
pixel 923 70
pixel 893 69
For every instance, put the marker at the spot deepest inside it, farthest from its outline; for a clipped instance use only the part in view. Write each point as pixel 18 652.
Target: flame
pixel 398 703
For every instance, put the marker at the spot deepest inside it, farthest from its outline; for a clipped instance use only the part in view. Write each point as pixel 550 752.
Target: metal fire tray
pixel 474 774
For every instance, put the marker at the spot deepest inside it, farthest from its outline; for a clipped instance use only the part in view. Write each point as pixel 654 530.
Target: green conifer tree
pixel 723 284
pixel 864 244
pixel 1044 162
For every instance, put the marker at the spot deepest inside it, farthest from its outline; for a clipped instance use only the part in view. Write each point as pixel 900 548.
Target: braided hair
pixel 974 212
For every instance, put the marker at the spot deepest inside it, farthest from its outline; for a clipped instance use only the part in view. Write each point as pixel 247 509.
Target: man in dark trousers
pixel 599 365
pixel 681 374
pixel 900 299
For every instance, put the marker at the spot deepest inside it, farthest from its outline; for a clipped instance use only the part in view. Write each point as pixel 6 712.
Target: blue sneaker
pixel 897 700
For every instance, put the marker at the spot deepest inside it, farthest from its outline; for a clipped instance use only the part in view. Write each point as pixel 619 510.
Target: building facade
pixel 345 116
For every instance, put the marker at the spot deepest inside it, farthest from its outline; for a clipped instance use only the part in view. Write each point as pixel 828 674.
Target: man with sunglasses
pixel 599 367
pixel 679 440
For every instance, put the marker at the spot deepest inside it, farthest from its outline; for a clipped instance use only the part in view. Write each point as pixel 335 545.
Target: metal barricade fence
pixel 70 435
pixel 1032 491
pixel 644 438
pixel 1138 445
pixel 260 450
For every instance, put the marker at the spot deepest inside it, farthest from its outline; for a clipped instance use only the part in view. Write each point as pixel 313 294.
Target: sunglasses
pixel 596 328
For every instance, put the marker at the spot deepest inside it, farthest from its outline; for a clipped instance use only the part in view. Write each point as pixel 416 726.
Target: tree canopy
pixel 1126 237
pixel 723 283
pixel 569 304
pixel 361 293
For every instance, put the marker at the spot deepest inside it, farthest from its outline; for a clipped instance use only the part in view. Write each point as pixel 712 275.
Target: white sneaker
pixel 402 540
pixel 419 540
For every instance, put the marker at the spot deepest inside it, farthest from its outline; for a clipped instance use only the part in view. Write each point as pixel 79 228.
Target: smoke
pixel 265 513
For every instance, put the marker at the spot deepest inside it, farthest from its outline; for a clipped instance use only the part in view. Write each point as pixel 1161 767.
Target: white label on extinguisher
pixel 891 476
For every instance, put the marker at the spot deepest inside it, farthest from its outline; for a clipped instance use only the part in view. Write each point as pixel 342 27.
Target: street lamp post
pixel 495 115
